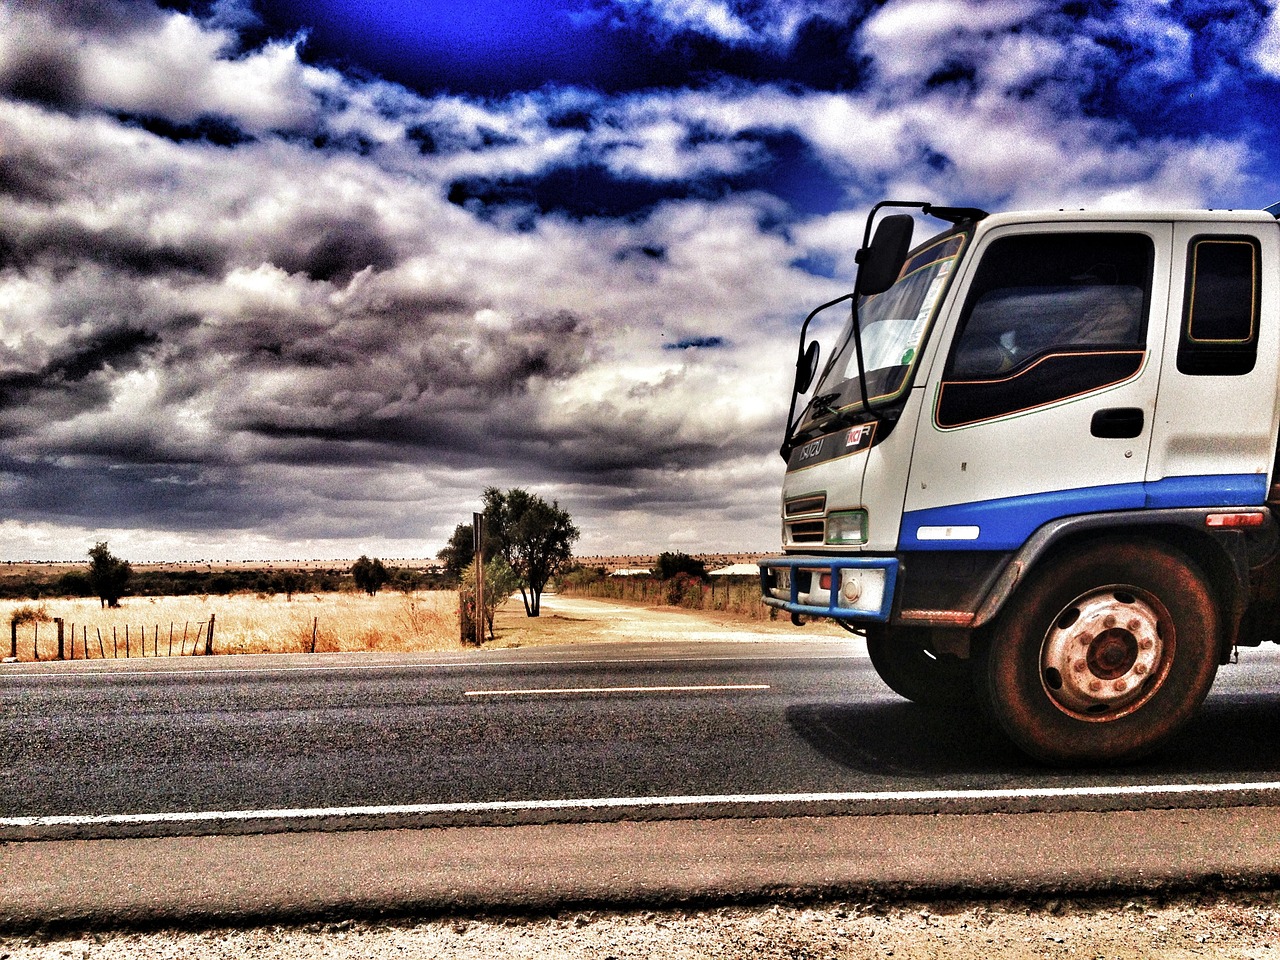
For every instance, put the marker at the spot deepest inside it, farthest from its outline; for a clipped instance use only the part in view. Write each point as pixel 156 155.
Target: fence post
pixel 315 626
pixel 13 639
pixel 208 637
pixel 61 652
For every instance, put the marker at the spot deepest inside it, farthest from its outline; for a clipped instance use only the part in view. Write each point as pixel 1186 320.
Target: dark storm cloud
pixel 61 245
pixel 26 175
pixel 335 249
pixel 118 349
pixel 104 17
pixel 49 77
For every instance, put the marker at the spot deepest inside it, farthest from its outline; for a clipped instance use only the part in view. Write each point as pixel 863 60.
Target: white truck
pixel 1035 470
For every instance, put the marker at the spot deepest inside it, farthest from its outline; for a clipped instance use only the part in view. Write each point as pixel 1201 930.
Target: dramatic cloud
pixel 254 302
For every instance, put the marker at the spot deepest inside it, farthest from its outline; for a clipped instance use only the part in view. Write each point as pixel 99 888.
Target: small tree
pixel 500 582
pixel 108 574
pixel 369 575
pixel 535 538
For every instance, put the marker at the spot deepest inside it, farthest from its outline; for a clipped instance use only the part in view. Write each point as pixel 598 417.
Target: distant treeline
pixel 35 585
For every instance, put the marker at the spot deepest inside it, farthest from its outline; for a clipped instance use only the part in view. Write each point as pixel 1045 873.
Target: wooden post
pixel 126 641
pixel 61 651
pixel 315 627
pixel 102 653
pixel 208 637
pixel 477 536
pixel 115 644
pixel 171 638
pixel 35 642
pixel 13 639
pixel 182 649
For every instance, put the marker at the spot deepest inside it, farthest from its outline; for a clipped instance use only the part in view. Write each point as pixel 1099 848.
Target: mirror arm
pixel 785 450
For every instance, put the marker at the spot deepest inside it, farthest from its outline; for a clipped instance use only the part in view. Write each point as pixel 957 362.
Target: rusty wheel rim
pixel 1106 653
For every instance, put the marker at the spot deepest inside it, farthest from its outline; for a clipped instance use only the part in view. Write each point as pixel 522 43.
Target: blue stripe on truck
pixel 1006 524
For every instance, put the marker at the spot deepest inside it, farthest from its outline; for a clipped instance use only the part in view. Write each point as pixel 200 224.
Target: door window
pixel 1048 317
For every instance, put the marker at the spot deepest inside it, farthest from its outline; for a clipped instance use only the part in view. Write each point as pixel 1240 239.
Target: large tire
pixel 1103 653
pixel 911 669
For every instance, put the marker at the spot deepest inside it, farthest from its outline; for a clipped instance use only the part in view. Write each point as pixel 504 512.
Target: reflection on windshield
pixel 893 324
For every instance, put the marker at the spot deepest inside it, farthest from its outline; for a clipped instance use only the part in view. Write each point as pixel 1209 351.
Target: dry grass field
pixel 245 623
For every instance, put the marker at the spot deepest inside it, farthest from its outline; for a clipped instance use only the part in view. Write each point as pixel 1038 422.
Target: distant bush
pixel 671 565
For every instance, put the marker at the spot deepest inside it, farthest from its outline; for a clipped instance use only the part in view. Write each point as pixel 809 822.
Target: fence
pixel 737 595
pixel 129 643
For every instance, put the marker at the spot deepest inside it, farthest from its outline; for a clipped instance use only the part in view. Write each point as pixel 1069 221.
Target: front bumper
pixel 846 588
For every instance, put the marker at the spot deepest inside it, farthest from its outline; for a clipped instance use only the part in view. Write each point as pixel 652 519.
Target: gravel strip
pixel 1211 925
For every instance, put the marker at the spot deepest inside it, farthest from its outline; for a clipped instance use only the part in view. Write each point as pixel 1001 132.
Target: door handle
pixel 1118 423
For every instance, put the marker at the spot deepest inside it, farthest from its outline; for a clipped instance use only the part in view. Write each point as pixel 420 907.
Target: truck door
pixel 1044 386
pixel 1214 434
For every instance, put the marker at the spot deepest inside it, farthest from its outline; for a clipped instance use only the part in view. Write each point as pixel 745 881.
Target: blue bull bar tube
pixel 846 588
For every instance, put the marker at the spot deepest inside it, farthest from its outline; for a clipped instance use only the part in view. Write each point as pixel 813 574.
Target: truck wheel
pixel 905 663
pixel 1103 654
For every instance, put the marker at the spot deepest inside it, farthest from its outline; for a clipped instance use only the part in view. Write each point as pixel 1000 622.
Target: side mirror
pixel 881 262
pixel 807 367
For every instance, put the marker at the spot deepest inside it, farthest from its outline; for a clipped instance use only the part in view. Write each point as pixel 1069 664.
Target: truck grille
pixel 806 531
pixel 802 505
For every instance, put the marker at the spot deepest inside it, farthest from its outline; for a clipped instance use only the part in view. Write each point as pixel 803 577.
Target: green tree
pixel 108 574
pixel 458 553
pixel 670 564
pixel 535 538
pixel 369 575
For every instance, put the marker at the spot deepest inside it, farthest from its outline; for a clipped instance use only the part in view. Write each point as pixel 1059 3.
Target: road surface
pixel 643 770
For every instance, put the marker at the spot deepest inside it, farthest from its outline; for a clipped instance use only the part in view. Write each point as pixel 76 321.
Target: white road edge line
pixel 613 803
pixel 555 690
pixel 215 671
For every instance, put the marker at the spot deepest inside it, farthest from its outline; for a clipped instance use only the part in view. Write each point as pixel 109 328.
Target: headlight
pixel 849 526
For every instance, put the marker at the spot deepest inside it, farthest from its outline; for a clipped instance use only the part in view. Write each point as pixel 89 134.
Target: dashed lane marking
pixel 699 688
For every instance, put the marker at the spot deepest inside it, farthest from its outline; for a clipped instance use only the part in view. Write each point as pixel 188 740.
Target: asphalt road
pixel 553 733
pixel 270 789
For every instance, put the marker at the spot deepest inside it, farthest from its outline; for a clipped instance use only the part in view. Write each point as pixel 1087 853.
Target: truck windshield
pixel 893 326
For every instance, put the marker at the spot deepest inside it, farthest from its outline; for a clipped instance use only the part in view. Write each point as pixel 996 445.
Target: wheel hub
pixel 1103 654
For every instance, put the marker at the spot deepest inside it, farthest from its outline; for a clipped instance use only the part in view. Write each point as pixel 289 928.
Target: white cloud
pixel 1267 52
pixel 913 38
pixel 774 23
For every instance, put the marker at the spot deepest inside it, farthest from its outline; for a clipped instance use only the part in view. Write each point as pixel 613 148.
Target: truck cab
pixel 1035 469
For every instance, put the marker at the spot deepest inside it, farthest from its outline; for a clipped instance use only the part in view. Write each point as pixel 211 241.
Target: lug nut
pixel 1095 686
pixel 1134 625
pixel 1109 622
pixel 1119 686
pixel 1080 666
pixel 1140 669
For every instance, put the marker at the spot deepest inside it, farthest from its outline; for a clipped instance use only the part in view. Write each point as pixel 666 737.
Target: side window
pixel 1048 317
pixel 1220 317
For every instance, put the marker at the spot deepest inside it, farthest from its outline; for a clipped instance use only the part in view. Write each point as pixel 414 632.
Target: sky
pixel 299 280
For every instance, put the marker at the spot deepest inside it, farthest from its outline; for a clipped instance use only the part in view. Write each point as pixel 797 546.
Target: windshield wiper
pixel 821 404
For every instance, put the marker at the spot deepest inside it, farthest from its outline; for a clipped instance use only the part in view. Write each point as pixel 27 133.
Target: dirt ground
pixel 567 619
pixel 1204 925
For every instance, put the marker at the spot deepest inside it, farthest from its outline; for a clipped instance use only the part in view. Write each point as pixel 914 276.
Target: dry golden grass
pixel 245 623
